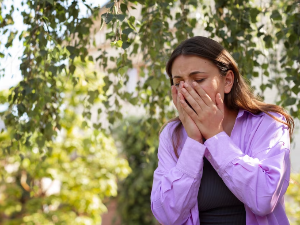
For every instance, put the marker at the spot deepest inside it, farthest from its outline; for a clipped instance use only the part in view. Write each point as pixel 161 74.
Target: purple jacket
pixel 253 162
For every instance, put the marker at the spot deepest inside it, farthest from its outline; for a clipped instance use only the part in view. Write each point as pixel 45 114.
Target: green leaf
pixel 236 55
pixel 71 49
pixel 253 13
pixel 109 5
pixel 90 58
pixel 102 23
pixel 290 101
pixel 296 89
pixel 50 1
pixel 266 73
pixel 21 109
pixel 119 43
pixel 72 68
pixel 107 17
pixel 264 66
pixel 293 38
pixel 40 141
pixel 123 8
pixel 130 22
pixel 283 59
pixel 268 41
pixel 43 52
pixel 45 18
pixel 120 17
pixel 263 87
pixel 154 83
pixel 84 125
pixel 276 15
pixel 17 136
pixel 126 44
pixel 127 31
pixel 134 101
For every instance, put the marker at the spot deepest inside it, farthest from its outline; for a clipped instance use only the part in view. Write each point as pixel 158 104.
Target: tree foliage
pixel 134 204
pixel 258 36
pixel 264 39
pixel 81 164
pixel 293 205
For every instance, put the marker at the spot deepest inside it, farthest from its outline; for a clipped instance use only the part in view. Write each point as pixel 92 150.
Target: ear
pixel 229 80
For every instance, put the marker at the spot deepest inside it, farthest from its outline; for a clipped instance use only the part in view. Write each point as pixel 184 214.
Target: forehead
pixel 184 64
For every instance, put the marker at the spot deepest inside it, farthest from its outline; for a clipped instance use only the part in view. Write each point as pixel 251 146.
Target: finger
pixel 192 97
pixel 179 108
pixel 191 102
pixel 185 117
pixel 186 108
pixel 178 96
pixel 182 113
pixel 205 97
pixel 181 97
pixel 174 95
pixel 220 103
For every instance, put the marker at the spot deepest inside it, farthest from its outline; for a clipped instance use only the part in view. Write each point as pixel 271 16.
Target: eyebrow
pixel 192 73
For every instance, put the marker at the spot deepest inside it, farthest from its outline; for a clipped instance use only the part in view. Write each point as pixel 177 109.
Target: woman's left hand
pixel 208 116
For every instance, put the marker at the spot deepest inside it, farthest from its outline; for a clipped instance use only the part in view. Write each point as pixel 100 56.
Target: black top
pixel 217 204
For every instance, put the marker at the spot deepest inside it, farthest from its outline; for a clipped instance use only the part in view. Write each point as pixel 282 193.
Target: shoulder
pixel 168 129
pixel 165 149
pixel 166 135
pixel 269 130
pixel 273 120
pixel 269 119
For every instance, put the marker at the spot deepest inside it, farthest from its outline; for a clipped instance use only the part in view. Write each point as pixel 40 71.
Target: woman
pixel 225 159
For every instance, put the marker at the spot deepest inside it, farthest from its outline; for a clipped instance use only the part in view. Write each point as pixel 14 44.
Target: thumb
pixel 220 103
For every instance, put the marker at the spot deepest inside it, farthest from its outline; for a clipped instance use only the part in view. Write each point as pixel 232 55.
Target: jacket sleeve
pixel 176 183
pixel 259 180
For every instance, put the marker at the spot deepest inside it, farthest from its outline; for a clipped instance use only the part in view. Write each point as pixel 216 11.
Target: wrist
pixel 199 139
pixel 210 135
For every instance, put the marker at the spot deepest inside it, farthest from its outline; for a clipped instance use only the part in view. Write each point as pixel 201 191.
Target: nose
pixel 189 82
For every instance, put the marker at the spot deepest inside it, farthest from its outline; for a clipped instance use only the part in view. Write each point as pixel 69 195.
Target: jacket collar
pixel 242 111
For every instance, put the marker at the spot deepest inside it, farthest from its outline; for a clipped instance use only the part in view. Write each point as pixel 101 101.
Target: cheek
pixel 211 89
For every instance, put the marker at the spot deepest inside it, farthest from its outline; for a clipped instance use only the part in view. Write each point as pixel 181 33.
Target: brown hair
pixel 240 96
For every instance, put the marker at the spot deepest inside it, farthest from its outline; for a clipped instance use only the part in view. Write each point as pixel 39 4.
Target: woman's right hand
pixel 188 123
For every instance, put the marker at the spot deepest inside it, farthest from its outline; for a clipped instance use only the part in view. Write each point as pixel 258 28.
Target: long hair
pixel 240 96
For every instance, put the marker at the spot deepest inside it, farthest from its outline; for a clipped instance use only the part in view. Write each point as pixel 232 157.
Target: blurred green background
pixel 83 94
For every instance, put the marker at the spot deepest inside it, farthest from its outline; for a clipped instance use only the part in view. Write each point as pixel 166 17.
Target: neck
pixel 229 120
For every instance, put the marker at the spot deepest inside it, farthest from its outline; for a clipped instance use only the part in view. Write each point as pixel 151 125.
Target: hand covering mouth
pixel 190 106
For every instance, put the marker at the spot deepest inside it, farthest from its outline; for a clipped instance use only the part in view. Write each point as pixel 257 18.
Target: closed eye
pixel 198 81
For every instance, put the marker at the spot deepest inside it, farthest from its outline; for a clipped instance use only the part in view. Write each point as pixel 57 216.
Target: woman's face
pixel 202 71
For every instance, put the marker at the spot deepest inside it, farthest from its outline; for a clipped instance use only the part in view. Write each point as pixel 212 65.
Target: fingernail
pixel 194 83
pixel 186 84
